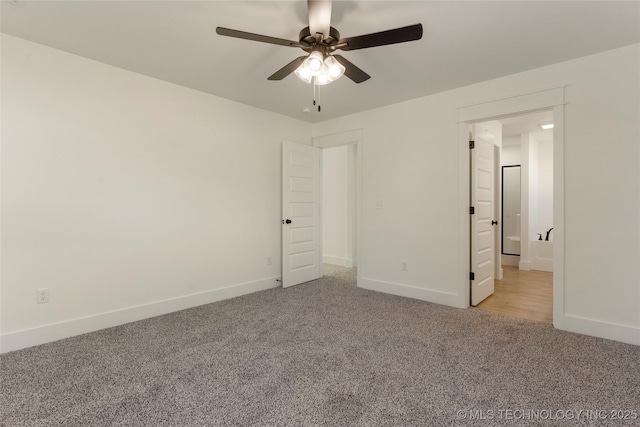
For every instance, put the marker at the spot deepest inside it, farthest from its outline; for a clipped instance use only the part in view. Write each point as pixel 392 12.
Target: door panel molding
pixel 482 232
pixel 301 220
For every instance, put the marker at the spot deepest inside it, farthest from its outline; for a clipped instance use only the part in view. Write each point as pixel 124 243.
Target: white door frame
pixel 550 99
pixel 347 138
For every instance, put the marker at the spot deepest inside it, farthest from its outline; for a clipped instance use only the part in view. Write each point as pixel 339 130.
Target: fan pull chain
pixel 316 97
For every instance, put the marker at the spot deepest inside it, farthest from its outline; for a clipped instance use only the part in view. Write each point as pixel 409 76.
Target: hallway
pixel 526 294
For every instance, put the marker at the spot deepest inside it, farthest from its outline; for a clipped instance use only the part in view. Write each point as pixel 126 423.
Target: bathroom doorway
pixel 524 212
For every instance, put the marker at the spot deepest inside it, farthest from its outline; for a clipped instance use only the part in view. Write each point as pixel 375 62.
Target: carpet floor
pixel 323 353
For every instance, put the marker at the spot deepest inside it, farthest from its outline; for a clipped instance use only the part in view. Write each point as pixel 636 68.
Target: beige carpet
pixel 323 353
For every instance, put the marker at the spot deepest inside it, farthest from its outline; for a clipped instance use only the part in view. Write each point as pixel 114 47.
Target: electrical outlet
pixel 379 205
pixel 404 265
pixel 268 260
pixel 42 295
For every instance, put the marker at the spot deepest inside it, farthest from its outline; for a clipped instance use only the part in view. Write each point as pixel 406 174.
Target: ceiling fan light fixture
pixel 323 78
pixel 303 74
pixel 314 63
pixel 335 70
pixel 320 39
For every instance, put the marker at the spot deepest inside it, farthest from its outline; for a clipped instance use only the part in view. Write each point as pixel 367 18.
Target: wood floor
pixel 527 294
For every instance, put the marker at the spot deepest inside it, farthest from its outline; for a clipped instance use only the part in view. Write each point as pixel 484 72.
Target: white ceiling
pixel 528 123
pixel 513 127
pixel 463 43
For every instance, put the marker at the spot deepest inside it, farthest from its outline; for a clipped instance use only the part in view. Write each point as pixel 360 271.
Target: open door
pixel 482 220
pixel 301 251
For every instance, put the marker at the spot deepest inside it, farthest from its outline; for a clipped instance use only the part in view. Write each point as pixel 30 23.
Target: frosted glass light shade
pixel 303 74
pixel 314 63
pixel 319 69
pixel 322 78
pixel 334 69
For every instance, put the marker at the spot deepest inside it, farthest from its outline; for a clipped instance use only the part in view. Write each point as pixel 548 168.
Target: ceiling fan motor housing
pixel 310 43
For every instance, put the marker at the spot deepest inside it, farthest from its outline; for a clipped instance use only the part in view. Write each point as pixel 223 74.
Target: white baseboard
pixel 524 265
pixel 511 260
pixel 438 297
pixel 598 328
pixel 343 262
pixel 55 331
pixel 542 264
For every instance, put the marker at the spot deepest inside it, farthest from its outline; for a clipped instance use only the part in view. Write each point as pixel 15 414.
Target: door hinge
pixel 472 210
pixel 472 276
pixel 472 145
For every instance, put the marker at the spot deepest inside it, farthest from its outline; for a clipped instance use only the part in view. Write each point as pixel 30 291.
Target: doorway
pixel 339 189
pixel 540 100
pixel 302 208
pixel 524 294
pixel 523 194
pixel 351 141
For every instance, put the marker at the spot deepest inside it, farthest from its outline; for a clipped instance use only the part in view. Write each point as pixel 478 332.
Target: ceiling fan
pixel 320 40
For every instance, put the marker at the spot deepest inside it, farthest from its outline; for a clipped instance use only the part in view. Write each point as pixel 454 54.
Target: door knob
pixel 288 221
pixel 494 222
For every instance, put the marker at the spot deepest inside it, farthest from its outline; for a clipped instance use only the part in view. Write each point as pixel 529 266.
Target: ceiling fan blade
pixel 397 35
pixel 256 37
pixel 351 71
pixel 287 69
pixel 319 17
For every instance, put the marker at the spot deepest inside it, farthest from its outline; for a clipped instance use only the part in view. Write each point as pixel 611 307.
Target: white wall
pixel 525 198
pixel 335 208
pixel 402 158
pixel 124 195
pixel 510 154
pixel 410 160
pixel 120 191
pixel 540 200
pixel 544 167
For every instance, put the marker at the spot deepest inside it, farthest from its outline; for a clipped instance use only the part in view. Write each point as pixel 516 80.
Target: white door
pixel 482 220
pixel 301 252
